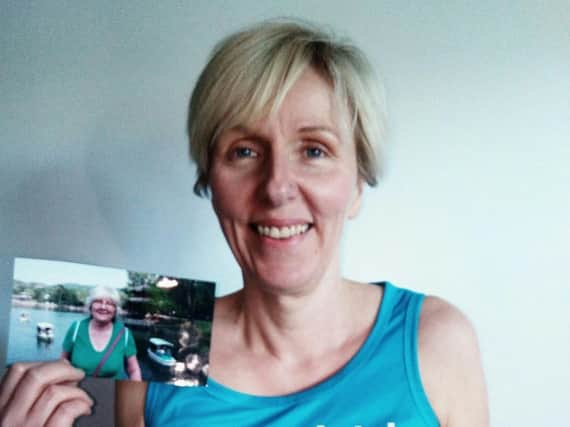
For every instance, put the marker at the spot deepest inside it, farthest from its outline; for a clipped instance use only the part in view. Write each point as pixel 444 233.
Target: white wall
pixel 474 207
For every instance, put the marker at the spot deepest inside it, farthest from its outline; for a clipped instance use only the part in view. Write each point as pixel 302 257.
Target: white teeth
pixel 275 233
pixel 282 232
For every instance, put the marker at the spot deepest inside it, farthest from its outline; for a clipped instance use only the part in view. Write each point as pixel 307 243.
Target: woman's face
pixel 103 310
pixel 283 187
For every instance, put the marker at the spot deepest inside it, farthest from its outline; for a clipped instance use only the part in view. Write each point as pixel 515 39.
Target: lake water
pixel 22 342
pixel 23 346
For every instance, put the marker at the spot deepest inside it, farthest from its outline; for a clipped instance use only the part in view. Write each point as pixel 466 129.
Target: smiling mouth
pixel 281 232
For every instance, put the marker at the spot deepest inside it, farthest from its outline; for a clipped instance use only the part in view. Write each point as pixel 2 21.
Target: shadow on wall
pixel 50 213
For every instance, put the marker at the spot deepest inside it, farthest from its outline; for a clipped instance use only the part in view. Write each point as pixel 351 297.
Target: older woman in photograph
pixel 101 345
pixel 285 128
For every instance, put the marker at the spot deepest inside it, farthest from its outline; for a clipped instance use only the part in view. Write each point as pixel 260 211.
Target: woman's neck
pixel 100 326
pixel 291 341
pixel 296 326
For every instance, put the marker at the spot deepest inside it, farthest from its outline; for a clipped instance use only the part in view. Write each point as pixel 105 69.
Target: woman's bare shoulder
pixel 442 323
pixel 450 365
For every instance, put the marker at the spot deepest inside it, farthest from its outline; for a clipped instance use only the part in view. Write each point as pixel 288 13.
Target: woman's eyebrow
pixel 239 129
pixel 243 131
pixel 320 129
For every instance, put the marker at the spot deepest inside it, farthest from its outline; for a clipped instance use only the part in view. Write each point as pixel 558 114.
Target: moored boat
pixel 45 331
pixel 160 352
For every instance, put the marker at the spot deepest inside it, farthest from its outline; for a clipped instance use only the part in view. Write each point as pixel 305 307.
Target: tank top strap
pixel 413 308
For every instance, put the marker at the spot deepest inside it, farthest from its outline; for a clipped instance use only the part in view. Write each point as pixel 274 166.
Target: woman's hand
pixel 42 394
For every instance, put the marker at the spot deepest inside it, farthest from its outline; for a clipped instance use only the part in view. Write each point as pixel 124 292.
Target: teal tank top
pixel 379 387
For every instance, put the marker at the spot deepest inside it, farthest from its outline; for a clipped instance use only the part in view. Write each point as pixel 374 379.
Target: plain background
pixel 474 206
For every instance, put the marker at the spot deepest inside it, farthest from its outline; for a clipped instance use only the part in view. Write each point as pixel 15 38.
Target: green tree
pixel 39 294
pixel 203 301
pixel 141 280
pixel 161 302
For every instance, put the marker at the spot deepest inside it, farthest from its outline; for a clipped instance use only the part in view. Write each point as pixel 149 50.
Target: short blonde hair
pixel 250 72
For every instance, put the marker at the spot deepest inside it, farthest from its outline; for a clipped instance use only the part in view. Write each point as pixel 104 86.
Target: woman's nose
pixel 280 185
pixel 106 304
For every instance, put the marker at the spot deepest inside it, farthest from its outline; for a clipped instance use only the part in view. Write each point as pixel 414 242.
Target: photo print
pixel 111 323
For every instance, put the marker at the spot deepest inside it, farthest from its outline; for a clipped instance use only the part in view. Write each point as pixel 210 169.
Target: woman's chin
pixel 286 282
pixel 102 319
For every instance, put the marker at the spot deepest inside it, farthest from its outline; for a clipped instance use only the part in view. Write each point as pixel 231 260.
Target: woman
pixel 284 130
pixel 100 345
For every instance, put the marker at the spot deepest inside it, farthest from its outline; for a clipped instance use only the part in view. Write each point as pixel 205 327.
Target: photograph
pixel 111 323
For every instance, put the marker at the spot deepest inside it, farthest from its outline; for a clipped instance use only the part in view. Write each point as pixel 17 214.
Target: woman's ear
pixel 354 207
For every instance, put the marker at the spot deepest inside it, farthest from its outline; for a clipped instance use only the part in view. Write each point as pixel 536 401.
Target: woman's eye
pixel 244 152
pixel 315 152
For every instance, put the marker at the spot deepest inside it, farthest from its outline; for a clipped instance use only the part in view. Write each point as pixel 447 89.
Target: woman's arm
pixel 129 403
pixel 133 368
pixel 450 366
pixel 43 394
